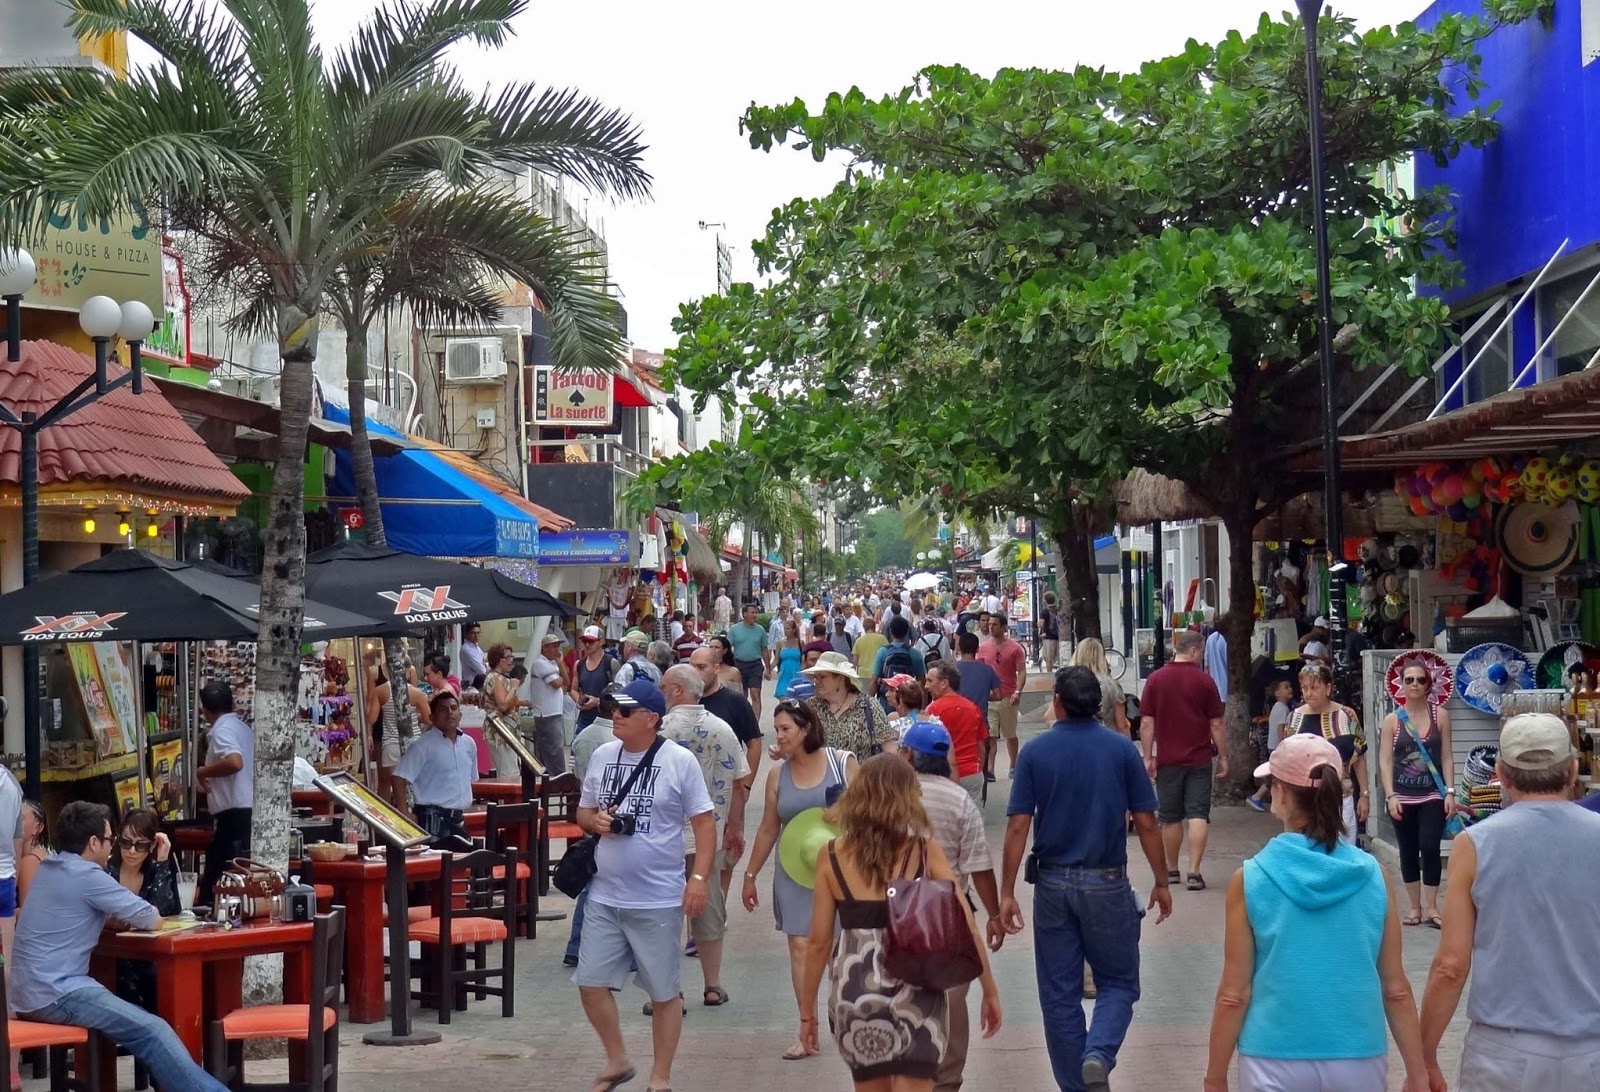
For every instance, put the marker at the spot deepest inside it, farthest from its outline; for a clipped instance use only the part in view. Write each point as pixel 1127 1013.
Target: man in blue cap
pixel 958 828
pixel 639 792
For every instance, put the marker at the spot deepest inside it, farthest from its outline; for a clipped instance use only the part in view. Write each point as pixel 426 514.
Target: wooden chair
pixel 18 1034
pixel 316 1024
pixel 558 797
pixel 514 828
pixel 478 908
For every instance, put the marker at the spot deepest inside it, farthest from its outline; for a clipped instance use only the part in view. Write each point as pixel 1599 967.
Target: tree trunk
pixel 282 608
pixel 366 475
pixel 746 569
pixel 1070 528
pixel 1237 625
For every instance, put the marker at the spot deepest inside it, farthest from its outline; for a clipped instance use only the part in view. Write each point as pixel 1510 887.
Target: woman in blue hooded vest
pixel 1311 970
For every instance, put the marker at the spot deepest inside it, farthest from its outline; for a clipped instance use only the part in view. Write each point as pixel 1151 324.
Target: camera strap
pixel 627 786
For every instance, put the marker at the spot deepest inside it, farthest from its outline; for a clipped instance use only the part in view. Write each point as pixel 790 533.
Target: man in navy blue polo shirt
pixel 1075 785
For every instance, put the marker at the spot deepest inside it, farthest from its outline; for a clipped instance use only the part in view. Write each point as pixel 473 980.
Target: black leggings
pixel 1418 832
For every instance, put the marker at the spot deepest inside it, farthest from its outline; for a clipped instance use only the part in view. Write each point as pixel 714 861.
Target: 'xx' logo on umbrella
pixel 68 624
pixel 422 600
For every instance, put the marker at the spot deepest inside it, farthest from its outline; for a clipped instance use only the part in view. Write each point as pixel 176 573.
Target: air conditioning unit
pixel 474 360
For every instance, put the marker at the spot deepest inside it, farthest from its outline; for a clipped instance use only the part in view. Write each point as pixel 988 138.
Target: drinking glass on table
pixel 186 886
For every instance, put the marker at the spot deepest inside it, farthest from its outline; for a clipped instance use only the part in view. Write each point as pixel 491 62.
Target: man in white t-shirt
pixel 639 897
pixel 722 611
pixel 549 705
pixel 990 603
pixel 228 780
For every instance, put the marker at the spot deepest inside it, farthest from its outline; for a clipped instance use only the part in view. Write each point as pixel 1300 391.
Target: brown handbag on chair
pixel 254 883
pixel 930 944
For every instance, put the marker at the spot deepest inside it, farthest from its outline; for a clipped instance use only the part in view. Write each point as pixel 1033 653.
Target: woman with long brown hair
pixel 892 1034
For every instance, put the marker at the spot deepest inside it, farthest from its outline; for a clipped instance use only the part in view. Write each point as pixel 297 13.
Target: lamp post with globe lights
pixel 103 319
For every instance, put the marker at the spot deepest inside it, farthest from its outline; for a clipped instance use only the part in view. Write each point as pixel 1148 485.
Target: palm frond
pixel 201 42
pixel 561 132
pixel 400 43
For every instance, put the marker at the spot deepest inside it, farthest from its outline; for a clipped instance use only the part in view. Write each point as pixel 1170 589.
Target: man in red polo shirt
pixel 964 721
pixel 1181 731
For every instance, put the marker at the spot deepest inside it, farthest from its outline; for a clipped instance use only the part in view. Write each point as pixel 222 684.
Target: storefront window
pixel 1579 338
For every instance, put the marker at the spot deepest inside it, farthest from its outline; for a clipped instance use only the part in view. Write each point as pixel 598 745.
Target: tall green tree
pixel 1050 278
pixel 279 158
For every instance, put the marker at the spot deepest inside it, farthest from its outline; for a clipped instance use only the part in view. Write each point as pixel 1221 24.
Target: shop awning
pixel 1528 419
pixel 262 417
pixel 441 503
pixel 629 392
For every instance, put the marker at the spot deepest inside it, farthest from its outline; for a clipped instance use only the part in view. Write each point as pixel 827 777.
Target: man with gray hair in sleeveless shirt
pixel 1522 918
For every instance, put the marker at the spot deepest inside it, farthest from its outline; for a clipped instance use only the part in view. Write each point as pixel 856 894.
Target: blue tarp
pixel 432 509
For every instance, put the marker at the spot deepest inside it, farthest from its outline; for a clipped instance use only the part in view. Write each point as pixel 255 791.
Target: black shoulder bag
pixel 576 867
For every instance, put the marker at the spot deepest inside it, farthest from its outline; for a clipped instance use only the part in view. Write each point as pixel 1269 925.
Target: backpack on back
pixel 896 661
pixel 930 652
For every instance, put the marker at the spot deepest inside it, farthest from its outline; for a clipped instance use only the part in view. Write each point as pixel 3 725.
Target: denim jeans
pixel 1080 914
pixel 139 1032
pixel 576 937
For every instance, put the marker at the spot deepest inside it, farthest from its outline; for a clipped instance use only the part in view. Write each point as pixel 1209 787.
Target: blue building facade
pixel 1530 197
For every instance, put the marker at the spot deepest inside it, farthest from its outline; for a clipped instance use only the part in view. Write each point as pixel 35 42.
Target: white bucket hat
pixel 833 663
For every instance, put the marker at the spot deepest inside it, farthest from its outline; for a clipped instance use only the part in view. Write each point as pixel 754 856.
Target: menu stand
pixel 533 776
pixel 397 832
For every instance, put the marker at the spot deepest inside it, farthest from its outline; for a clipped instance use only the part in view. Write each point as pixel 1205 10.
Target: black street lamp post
pixel 102 318
pixel 1311 15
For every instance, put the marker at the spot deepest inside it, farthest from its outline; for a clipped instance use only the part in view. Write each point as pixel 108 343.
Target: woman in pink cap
pixel 1296 1019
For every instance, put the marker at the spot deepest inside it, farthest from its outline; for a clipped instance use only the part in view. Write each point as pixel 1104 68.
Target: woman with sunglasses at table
pixel 142 862
pixel 1417 738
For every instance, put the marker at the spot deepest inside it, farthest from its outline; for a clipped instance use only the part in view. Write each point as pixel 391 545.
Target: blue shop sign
pixel 516 538
pixel 585 548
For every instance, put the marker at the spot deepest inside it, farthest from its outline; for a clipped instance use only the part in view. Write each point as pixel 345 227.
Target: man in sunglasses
pixel 70 901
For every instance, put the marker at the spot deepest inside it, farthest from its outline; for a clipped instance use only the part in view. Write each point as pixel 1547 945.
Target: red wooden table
pixel 500 792
pixel 200 974
pixel 359 885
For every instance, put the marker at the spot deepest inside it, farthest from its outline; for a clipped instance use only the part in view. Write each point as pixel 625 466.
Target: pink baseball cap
pixel 1294 760
pixel 895 682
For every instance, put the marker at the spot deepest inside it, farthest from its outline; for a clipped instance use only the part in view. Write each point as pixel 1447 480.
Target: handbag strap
pixel 835 767
pixel 639 768
pixel 1405 718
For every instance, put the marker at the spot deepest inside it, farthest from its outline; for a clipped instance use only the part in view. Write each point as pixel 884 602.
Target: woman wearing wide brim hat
pixel 809 777
pixel 1418 770
pixel 851 721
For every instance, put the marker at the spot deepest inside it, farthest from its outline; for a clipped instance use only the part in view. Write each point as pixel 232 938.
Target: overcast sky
pixel 688 70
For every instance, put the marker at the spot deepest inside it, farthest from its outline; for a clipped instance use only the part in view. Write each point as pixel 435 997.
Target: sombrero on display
pixel 1443 684
pixel 1486 673
pixel 1537 539
pixel 1558 659
pixel 803 838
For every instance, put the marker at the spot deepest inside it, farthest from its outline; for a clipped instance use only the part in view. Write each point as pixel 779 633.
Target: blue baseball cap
pixel 641 694
pixel 927 737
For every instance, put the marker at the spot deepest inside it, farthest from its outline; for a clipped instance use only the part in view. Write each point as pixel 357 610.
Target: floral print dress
pixel 884 1027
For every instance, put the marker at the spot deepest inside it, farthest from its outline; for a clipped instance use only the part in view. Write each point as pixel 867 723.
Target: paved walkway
pixel 548 1045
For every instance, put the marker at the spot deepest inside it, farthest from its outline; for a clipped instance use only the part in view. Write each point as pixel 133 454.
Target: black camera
pixel 624 824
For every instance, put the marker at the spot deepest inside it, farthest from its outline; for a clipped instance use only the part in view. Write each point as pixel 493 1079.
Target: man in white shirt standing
pixel 722 611
pixel 439 770
pixel 549 705
pixel 638 898
pixel 474 665
pixel 228 780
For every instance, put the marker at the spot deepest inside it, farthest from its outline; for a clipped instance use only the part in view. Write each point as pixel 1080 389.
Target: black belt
pixel 448 813
pixel 1102 872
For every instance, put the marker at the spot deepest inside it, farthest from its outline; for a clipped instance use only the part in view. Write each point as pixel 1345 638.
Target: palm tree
pixel 283 163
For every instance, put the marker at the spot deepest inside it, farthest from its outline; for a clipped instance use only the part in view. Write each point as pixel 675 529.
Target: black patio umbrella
pixel 407 591
pixel 130 595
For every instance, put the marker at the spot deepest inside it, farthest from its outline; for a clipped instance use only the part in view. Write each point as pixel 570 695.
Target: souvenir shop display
pixel 1486 673
pixel 1560 661
pixel 1478 796
pixel 1438 670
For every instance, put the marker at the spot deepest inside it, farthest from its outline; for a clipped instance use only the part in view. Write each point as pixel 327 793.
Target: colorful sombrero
pixel 1443 684
pixel 1486 673
pixel 1558 658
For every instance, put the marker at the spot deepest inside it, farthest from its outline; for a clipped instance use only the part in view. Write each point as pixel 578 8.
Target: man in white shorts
pixel 639 897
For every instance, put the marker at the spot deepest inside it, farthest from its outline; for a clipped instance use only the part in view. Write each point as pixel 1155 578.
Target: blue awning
pixel 434 509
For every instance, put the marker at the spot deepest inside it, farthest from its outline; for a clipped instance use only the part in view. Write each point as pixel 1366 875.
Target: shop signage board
pixel 610 547
pixel 79 258
pixel 571 398
pixel 516 537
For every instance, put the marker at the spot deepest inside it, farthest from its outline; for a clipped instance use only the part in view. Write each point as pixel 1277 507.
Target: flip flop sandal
pixel 1411 919
pixel 611 1082
pixel 1196 882
pixel 717 992
pixel 1435 922
pixel 790 1055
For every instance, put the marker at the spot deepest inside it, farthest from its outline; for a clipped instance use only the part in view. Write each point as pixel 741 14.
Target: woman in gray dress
pixel 809 776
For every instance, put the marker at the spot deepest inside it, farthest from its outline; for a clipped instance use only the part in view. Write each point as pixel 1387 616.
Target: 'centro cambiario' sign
pixel 571 397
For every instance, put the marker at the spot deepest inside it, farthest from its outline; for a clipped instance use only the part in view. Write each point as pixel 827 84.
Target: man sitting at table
pixel 71 899
pixel 439 770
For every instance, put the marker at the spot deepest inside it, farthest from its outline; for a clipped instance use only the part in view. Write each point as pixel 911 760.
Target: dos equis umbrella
pixel 130 595
pixel 408 592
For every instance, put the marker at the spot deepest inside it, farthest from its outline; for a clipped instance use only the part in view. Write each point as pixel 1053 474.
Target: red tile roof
pixel 140 442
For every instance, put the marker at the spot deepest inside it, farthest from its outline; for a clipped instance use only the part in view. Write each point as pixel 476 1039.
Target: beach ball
pixel 1588 481
pixel 1561 484
pixel 1535 474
